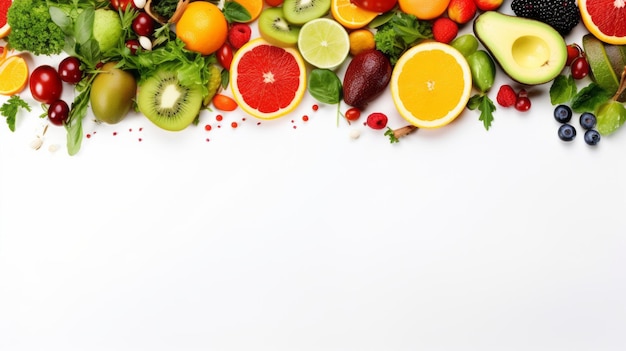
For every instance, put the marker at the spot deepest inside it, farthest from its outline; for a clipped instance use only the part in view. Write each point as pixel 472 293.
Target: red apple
pixel 379 6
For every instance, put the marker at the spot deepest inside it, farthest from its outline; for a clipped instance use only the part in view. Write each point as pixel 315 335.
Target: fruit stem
pixel 622 87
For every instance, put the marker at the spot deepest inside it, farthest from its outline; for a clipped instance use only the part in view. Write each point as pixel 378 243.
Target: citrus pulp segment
pixel 13 75
pixel 324 43
pixel 267 81
pixel 431 84
pixel 5 28
pixel 605 19
pixel 349 15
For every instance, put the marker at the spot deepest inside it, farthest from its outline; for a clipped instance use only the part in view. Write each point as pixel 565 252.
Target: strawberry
pixel 506 96
pixel 239 34
pixel 445 29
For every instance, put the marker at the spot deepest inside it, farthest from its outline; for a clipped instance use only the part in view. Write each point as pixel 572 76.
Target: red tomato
pixel 224 103
pixel 375 5
pixel 45 84
pixel 122 4
pixel 225 56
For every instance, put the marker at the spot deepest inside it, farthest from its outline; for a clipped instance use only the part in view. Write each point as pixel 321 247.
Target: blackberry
pixel 562 15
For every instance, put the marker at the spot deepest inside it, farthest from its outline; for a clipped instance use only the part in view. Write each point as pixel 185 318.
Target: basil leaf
pixel 562 90
pixel 83 28
pixel 325 86
pixel 74 125
pixel 61 19
pixel 234 12
pixel 589 97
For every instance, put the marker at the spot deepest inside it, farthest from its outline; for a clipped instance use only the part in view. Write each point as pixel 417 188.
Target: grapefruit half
pixel 5 29
pixel 267 81
pixel 605 19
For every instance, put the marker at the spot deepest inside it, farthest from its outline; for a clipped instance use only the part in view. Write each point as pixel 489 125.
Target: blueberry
pixel 588 120
pixel 567 132
pixel 563 113
pixel 592 137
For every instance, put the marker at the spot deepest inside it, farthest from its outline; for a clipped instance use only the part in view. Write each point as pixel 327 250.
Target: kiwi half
pixel 168 103
pixel 300 12
pixel 275 29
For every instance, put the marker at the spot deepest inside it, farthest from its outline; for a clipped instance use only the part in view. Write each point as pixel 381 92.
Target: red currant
pixel 522 103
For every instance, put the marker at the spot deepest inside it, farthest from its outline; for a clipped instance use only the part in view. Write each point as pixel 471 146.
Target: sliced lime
pixel 601 69
pixel 324 43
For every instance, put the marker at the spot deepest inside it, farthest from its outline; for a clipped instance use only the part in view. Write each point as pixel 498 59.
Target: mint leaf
pixel 589 98
pixel 562 90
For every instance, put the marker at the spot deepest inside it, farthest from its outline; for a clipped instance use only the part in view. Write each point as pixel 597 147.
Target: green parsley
pixel 10 109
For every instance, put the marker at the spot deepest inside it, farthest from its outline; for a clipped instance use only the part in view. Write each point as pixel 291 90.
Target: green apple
pixel 107 28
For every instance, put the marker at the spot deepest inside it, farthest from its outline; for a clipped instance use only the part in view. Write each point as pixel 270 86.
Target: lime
pixel 324 43
pixel 601 69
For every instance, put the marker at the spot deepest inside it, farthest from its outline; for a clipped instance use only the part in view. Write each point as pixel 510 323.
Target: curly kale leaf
pixel 32 28
pixel 400 33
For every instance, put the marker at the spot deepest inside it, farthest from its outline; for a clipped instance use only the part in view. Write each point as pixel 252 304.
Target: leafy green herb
pixel 483 103
pixel 589 97
pixel 10 109
pixel 164 8
pixel 32 28
pixel 325 86
pixel 563 89
pixel 234 12
pixel 78 111
pixel 391 135
pixel 401 32
pixel 395 134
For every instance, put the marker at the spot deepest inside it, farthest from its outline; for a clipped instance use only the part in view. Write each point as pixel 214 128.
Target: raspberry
pixel 506 96
pixel 239 34
pixel 445 29
pixel 377 120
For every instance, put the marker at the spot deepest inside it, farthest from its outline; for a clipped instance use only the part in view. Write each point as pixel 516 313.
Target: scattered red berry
pixel 239 34
pixel 506 96
pixel 445 30
pixel 377 120
pixel 522 103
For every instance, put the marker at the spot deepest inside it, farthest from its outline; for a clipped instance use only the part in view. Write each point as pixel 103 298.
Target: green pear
pixel 107 29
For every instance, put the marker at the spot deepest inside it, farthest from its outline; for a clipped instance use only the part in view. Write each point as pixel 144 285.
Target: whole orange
pixel 202 27
pixel 424 9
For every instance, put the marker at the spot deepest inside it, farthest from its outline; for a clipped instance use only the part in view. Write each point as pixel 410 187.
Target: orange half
pixel 431 84
pixel 13 75
pixel 605 19
pixel 349 15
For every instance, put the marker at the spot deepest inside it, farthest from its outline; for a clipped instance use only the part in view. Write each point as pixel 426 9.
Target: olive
pixel 112 93
pixel 483 70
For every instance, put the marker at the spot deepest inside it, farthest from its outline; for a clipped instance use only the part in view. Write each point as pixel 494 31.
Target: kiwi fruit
pixel 168 103
pixel 274 28
pixel 299 12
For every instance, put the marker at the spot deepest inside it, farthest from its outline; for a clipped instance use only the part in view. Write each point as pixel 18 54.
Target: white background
pixel 270 237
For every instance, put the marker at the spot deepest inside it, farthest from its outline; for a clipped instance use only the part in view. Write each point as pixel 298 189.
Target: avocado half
pixel 529 51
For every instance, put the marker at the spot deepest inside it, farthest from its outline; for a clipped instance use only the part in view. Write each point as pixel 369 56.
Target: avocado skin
pixel 367 76
pixel 510 27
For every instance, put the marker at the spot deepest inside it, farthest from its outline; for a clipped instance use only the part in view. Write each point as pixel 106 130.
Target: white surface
pixel 268 237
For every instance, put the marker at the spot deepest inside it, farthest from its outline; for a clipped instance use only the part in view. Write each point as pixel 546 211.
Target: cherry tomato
pixel 132 45
pixel 224 103
pixel 375 5
pixel 353 114
pixel 69 70
pixel 225 56
pixel 579 67
pixel 46 85
pixel 58 111
pixel 573 51
pixel 274 3
pixel 122 4
pixel 143 24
